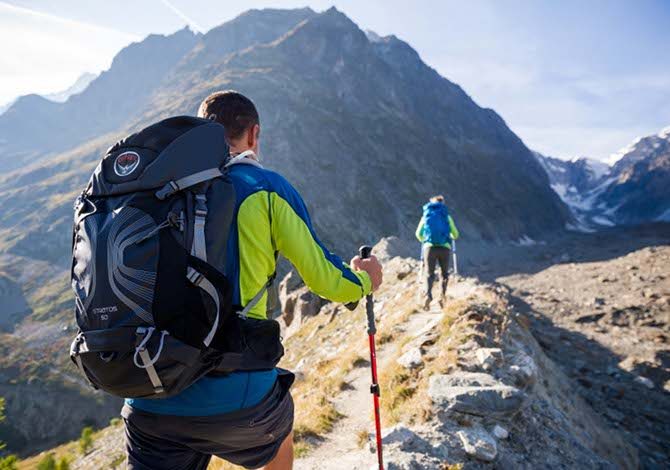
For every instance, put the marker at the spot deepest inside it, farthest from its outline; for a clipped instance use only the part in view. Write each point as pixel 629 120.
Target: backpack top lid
pixel 166 151
pixel 435 207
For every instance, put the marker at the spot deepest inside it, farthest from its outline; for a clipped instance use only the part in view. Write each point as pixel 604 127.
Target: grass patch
pixel 451 466
pixel 301 449
pixel 118 461
pixel 397 386
pixel 362 438
pixel 384 338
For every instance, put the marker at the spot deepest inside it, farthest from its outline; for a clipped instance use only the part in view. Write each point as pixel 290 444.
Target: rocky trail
pixel 355 405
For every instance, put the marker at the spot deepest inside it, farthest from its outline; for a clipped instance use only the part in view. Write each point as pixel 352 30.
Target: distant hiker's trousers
pixel 250 437
pixel 433 256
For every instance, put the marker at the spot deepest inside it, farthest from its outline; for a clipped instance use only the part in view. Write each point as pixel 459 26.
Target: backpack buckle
pixel 194 276
pixel 168 190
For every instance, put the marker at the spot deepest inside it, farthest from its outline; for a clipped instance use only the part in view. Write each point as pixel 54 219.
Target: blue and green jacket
pixel 270 216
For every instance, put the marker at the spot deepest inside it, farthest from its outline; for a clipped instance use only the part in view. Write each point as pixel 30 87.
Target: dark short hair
pixel 235 111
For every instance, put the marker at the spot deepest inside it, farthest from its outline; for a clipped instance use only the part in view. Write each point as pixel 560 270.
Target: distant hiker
pixel 175 244
pixel 435 231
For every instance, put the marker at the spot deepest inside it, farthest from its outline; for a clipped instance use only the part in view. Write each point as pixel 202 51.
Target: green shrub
pixel 63 464
pixel 8 463
pixel 86 439
pixel 115 421
pixel 2 418
pixel 47 463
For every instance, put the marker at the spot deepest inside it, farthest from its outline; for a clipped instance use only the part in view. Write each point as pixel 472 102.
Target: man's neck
pixel 235 151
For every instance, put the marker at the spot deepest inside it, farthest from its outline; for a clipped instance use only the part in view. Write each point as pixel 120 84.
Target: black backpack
pixel 151 229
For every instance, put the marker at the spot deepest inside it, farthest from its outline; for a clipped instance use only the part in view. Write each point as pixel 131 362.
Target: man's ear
pixel 253 135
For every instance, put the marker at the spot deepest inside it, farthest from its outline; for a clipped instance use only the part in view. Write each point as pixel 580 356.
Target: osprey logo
pixel 126 163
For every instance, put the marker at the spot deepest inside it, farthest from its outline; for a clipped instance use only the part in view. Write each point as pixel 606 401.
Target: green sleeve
pixel 454 231
pixel 419 230
pixel 323 272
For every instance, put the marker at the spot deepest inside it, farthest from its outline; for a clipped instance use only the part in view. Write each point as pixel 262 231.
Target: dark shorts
pixel 250 437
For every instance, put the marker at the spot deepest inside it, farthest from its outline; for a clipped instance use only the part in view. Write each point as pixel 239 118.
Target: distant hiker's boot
pixel 426 304
pixel 443 297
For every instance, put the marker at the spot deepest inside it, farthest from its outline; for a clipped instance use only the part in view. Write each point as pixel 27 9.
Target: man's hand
pixel 371 266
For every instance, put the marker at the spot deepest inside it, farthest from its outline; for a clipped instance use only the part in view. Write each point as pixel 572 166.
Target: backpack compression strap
pixel 187 181
pixel 199 250
pixel 257 298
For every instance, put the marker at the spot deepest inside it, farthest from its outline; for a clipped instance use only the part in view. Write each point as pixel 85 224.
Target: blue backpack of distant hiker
pixel 436 227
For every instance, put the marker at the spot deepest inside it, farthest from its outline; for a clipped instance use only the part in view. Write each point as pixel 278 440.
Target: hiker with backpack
pixel 436 232
pixel 175 244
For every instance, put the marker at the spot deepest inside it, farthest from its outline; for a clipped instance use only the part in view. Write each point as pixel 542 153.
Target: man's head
pixel 438 198
pixel 238 115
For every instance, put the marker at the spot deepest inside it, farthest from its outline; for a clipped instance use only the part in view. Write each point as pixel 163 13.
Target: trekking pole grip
pixel 364 252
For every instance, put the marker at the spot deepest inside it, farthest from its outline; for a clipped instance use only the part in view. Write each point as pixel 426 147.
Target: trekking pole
pixel 453 253
pixel 364 253
pixel 421 260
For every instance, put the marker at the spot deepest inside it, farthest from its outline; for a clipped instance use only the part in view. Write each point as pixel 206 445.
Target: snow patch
pixel 525 240
pixel 600 220
pixel 665 216
pixel 598 169
pixel 580 227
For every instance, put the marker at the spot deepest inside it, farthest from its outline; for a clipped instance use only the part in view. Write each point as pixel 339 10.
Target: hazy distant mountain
pixel 77 87
pixel 5 107
pixel 359 123
pixel 35 126
pixel 636 189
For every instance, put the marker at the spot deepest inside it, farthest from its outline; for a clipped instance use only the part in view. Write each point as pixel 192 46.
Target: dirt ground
pixel 599 305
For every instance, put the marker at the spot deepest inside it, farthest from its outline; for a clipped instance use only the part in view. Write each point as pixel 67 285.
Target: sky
pixel 571 78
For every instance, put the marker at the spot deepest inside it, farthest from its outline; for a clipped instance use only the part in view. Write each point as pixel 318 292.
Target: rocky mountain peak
pixel 151 48
pixel 251 28
pixel 325 38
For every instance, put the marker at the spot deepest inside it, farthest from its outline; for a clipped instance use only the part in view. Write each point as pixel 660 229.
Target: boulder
pixel 644 381
pixel 499 432
pixel 489 357
pixel 396 460
pixel 478 443
pixel 411 359
pixel 471 393
pixel 398 434
pixel 524 370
